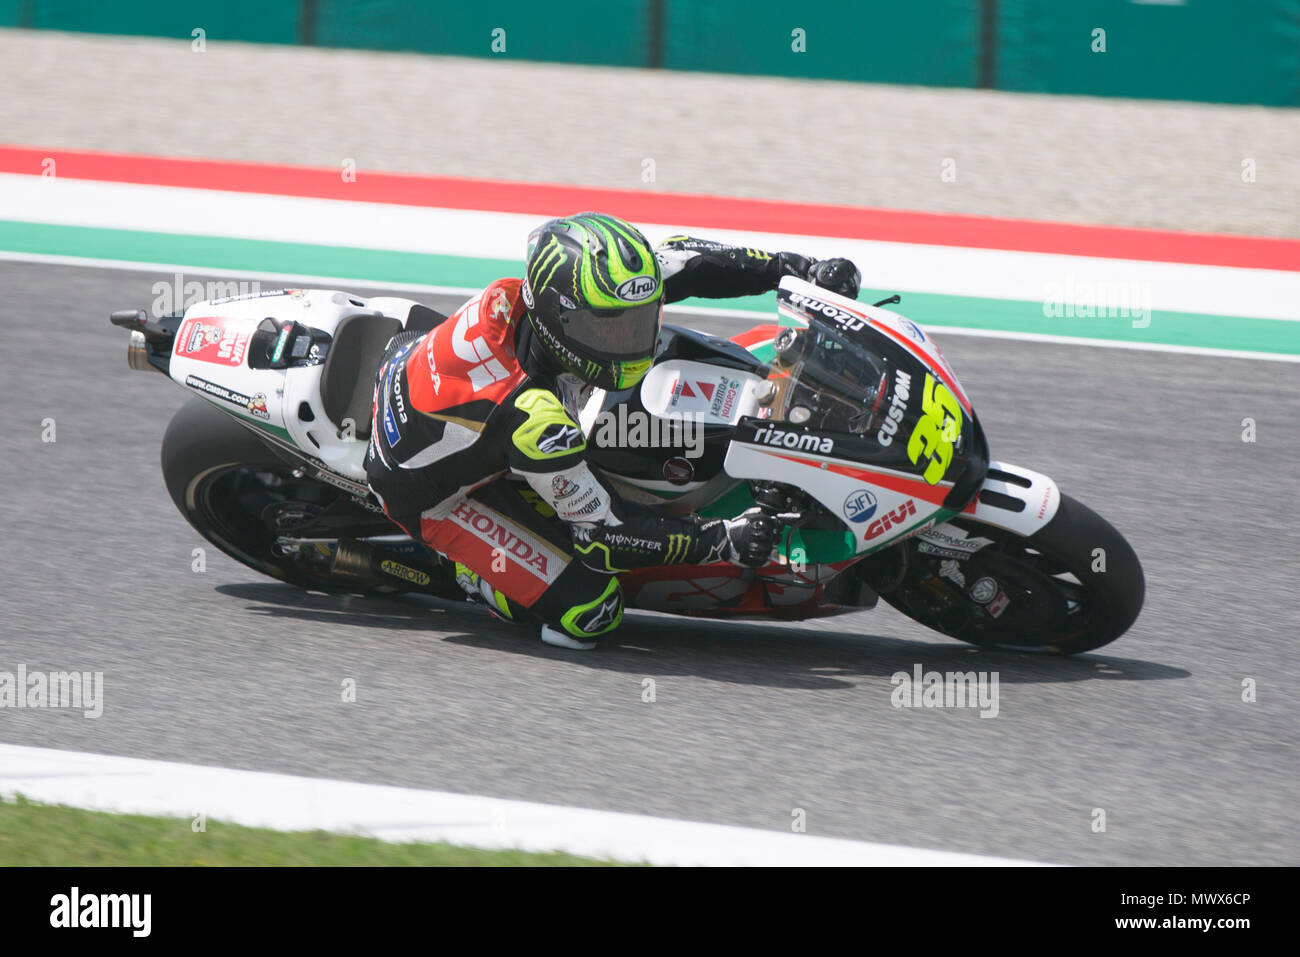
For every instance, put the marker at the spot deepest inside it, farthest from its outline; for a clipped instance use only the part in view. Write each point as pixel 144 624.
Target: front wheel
pixel 1072 586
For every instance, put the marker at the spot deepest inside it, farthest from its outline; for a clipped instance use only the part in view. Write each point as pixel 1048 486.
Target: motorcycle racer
pixel 490 396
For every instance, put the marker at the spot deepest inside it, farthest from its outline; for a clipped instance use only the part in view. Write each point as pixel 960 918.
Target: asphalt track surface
pixel 750 721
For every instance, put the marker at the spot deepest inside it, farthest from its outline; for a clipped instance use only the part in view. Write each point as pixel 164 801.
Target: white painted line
pixel 256 799
pixel 333 282
pixel 675 313
pixel 939 332
pixel 946 270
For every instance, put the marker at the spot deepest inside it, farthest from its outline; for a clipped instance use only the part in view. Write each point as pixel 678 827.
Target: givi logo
pixel 890 519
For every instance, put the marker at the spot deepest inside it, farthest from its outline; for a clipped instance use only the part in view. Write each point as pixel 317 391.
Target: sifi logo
pixel 637 289
pixel 860 506
pixel 887 521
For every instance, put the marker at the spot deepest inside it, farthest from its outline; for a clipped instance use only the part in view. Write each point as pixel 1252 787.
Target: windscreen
pixel 828 382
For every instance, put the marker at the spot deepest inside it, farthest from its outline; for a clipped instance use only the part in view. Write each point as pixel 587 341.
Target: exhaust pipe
pixel 150 344
pixel 137 352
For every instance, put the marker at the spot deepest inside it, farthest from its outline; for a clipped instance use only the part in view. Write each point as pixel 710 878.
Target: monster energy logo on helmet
pixel 594 295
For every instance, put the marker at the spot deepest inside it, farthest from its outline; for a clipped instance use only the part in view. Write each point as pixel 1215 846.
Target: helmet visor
pixel 618 334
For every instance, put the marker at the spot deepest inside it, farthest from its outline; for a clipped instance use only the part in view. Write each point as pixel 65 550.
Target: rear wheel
pixel 1073 586
pixel 244 498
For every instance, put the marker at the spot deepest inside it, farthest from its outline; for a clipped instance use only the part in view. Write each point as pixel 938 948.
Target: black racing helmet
pixel 594 295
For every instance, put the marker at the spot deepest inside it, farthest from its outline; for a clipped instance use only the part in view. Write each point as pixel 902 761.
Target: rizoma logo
pixel 800 441
pixel 860 506
pixel 890 519
pixel 397 395
pixel 897 408
pixel 842 317
pixel 637 289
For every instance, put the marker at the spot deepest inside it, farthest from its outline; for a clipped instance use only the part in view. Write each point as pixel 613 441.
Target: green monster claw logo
pixel 677 549
pixel 551 258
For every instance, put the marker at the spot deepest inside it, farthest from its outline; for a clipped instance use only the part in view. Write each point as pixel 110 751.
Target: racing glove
pixel 751 537
pixel 837 275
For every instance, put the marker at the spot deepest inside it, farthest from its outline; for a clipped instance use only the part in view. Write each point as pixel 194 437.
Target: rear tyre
pixel 1073 586
pixel 228 484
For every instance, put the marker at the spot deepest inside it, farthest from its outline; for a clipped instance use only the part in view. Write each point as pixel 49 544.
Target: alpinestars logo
pixel 559 438
pixel 800 441
pixel 602 617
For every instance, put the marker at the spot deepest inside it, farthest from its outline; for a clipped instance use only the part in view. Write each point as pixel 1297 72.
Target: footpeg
pixel 559 639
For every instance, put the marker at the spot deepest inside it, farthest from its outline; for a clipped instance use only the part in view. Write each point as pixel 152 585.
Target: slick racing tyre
pixel 1073 586
pixel 233 489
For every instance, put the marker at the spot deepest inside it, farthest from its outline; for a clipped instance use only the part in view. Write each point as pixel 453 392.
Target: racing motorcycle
pixel 842 417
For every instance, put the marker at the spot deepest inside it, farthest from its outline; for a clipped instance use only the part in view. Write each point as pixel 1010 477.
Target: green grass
pixel 44 835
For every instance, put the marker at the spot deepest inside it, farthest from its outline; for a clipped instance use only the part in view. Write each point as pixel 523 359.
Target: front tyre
pixel 1072 586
